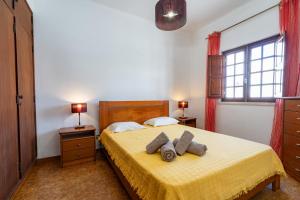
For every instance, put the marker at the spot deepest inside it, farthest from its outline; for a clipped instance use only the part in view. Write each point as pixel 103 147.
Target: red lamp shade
pixel 78 107
pixel 170 14
pixel 183 104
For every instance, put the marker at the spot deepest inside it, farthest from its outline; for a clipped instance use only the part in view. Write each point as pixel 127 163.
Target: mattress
pixel 230 168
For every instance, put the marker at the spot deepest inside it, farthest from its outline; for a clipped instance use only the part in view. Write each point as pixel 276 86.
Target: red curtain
pixel 289 25
pixel 210 104
pixel 276 138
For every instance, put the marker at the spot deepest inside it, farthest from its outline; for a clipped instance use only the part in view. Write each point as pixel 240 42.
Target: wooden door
pixel 23 15
pixel 10 3
pixel 9 172
pixel 26 96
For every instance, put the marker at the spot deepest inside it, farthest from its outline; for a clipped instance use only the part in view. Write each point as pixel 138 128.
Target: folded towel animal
pixel 168 152
pixel 194 148
pixel 160 140
pixel 184 142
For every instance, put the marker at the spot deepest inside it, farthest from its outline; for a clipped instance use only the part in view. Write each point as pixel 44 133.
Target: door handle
pixel 19 99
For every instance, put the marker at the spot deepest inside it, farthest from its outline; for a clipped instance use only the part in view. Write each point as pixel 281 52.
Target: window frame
pixel 247 62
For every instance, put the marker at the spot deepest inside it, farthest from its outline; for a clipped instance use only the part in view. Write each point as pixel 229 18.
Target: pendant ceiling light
pixel 170 14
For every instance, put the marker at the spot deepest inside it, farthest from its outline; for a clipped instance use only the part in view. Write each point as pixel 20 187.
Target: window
pixel 254 72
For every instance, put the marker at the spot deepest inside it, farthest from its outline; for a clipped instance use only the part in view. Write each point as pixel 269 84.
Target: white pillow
pixel 118 127
pixel 161 121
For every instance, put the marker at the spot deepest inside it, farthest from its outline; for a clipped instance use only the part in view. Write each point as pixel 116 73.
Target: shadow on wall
pixel 49 140
pixel 176 112
pixel 181 77
pixel 55 117
pixel 51 113
pixel 88 118
pixel 63 114
pixel 51 118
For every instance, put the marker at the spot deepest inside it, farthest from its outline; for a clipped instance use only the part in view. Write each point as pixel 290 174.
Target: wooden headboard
pixel 137 111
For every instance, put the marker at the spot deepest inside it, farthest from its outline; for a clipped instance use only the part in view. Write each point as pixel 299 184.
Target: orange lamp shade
pixel 78 107
pixel 183 104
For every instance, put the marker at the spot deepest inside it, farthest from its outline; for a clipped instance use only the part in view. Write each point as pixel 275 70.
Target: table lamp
pixel 183 105
pixel 79 108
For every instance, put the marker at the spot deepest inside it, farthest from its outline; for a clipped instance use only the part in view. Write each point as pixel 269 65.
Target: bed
pixel 232 168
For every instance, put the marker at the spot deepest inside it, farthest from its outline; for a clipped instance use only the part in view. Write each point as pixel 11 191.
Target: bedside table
pixel 189 121
pixel 77 145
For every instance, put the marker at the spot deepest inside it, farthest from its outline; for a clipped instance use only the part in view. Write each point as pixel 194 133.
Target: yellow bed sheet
pixel 231 166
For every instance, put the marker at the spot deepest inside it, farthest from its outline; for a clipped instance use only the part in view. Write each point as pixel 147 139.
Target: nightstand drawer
pixel 188 121
pixel 78 154
pixel 292 117
pixel 292 105
pixel 292 156
pixel 293 169
pixel 191 124
pixel 78 143
pixel 291 143
pixel 292 129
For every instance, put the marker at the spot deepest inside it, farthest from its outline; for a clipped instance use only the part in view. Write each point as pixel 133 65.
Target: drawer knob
pixel 298 105
pixel 297 157
pixel 297 131
pixel 298 118
pixel 298 145
pixel 297 170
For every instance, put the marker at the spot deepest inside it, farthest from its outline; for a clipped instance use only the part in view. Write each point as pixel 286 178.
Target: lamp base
pixel 79 127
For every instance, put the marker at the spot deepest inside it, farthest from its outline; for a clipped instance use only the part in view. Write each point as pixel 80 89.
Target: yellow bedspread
pixel 231 166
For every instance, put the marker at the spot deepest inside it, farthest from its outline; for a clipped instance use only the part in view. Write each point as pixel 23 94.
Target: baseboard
pixel 41 160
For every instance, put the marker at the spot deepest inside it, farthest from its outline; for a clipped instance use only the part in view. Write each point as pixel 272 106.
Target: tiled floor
pixel 97 181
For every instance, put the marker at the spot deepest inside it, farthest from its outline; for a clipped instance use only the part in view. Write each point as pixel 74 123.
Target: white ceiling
pixel 199 12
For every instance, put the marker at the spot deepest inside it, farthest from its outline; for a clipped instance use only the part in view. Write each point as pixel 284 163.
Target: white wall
pixel 85 52
pixel 250 121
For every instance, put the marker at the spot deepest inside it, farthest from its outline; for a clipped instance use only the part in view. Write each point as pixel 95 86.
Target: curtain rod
pixel 225 29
